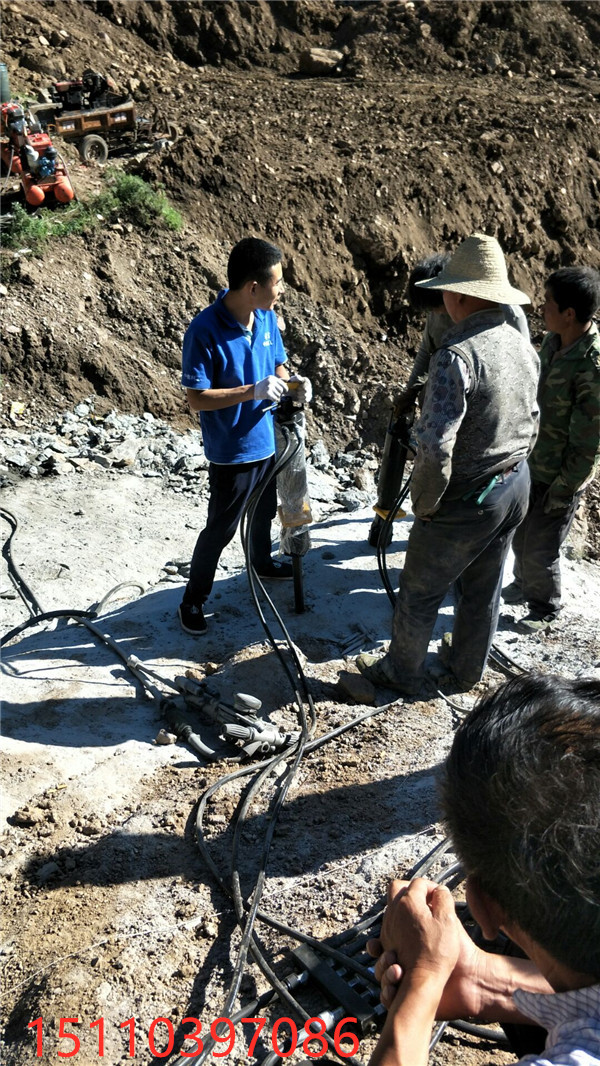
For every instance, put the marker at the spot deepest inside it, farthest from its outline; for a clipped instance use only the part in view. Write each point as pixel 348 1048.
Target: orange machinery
pixel 28 153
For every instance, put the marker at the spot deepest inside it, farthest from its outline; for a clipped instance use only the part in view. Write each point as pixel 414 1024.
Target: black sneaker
pixel 277 572
pixel 192 619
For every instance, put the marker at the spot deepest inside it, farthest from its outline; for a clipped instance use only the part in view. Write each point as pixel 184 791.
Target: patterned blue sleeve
pixel 444 406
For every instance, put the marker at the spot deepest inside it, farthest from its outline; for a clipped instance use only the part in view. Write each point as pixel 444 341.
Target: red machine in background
pixel 28 153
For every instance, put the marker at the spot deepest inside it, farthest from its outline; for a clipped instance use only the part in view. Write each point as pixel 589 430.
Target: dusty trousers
pixel 230 489
pixel 537 547
pixel 465 543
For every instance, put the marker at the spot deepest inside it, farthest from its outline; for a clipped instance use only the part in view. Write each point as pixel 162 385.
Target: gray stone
pixel 320 456
pixel 28 816
pixel 351 500
pixel 492 61
pixel 320 61
pixel 124 454
pixel 375 239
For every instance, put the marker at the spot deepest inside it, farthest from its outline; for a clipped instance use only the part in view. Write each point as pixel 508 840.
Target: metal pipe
pixel 298 584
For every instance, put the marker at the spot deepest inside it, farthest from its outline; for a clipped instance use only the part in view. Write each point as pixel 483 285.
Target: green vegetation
pixel 127 198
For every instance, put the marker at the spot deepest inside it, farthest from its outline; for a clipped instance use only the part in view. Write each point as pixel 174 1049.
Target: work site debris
pixel 78 440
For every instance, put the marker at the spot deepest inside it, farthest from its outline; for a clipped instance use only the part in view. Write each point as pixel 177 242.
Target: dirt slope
pixel 445 119
pixel 441 119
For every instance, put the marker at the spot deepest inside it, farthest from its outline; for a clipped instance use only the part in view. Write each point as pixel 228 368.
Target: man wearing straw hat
pixel 470 481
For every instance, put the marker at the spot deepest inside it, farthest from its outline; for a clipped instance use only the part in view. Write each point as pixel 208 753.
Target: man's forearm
pixel 406 1034
pixel 218 399
pixel 498 979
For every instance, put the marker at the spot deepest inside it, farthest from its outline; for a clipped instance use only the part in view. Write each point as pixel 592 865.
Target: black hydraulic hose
pixel 33 605
pixel 255 1005
pixel 248 931
pixel 312 745
pixel 136 667
pixel 505 662
pixel 47 616
pixel 254 579
pixel 253 948
pixel 420 869
pixel 480 1031
pixel 117 588
pixel 240 905
pixel 384 537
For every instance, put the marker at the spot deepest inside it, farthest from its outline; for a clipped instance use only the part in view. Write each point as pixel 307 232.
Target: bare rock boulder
pixel 321 61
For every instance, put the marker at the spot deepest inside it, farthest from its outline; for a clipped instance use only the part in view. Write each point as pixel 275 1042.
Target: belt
pixel 485 489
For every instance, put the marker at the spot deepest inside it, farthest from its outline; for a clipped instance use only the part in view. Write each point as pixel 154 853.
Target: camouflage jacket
pixel 567 451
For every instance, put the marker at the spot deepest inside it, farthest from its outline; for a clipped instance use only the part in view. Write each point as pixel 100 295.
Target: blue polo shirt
pixel 218 353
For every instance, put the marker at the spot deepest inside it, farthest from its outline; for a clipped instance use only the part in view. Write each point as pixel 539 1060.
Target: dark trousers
pixel 464 543
pixel 537 546
pixel 230 488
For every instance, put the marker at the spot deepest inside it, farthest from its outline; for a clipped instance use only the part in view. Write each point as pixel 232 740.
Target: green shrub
pixel 126 198
pixel 142 203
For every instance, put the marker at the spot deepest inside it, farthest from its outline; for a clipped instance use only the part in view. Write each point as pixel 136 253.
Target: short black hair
pixel 521 797
pixel 427 299
pixel 576 287
pixel 251 260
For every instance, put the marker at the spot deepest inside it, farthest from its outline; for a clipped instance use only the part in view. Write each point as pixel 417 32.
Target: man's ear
pixel 486 912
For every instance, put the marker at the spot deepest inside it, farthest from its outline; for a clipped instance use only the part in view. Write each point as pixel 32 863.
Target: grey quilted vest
pixel 500 423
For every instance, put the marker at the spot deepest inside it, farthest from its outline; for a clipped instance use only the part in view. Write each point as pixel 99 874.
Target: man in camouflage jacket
pixel 566 455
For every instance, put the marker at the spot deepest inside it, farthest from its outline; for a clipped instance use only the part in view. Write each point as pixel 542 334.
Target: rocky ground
pixel 435 120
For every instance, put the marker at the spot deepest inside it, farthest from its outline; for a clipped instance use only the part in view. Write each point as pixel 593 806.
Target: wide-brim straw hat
pixel 478 268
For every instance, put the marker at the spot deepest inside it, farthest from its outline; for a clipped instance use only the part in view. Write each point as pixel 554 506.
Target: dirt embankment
pixel 442 120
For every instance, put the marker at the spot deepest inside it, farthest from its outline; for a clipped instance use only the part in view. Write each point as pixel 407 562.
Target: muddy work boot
pixel 513 593
pixel 442 673
pixel 450 684
pixel 377 670
pixel 533 623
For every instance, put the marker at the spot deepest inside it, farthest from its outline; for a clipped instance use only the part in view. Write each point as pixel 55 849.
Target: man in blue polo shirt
pixel 233 372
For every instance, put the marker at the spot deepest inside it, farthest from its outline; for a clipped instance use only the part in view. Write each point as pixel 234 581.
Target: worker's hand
pixel 554 506
pixel 271 388
pixel 405 402
pixel 301 388
pixel 420 927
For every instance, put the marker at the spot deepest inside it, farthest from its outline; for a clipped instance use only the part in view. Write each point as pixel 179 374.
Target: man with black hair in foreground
pixel 521 799
pixel 233 372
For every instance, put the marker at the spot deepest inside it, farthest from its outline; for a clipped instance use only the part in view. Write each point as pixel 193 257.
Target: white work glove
pixel 271 388
pixel 300 388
